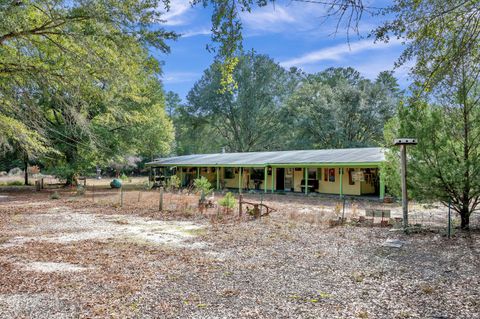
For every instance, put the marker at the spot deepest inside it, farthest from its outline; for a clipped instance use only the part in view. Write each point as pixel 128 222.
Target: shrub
pixel 202 186
pixel 124 177
pixel 228 201
pixel 173 182
pixel 80 190
pixel 55 195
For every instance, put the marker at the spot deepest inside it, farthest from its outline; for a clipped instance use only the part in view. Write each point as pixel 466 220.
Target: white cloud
pixel 176 15
pixel 193 33
pixel 180 77
pixel 267 17
pixel 338 52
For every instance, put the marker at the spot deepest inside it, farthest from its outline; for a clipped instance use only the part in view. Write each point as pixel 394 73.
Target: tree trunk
pixel 25 161
pixel 465 219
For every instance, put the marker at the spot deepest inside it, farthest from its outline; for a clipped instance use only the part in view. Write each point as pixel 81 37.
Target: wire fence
pixel 319 209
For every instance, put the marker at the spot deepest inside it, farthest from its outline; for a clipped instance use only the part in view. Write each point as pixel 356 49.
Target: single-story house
pixel 351 171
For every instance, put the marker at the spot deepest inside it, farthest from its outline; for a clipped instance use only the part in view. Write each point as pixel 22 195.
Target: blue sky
pixel 292 33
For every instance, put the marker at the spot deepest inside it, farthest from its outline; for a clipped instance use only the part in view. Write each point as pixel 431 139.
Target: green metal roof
pixel 351 156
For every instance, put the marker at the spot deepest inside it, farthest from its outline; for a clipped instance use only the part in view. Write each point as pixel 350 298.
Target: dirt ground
pixel 108 254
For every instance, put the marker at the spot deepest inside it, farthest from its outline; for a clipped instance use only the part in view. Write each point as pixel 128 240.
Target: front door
pixel 280 174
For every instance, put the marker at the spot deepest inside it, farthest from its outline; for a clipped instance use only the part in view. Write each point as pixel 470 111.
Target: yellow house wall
pixel 330 187
pixel 347 188
pixel 359 188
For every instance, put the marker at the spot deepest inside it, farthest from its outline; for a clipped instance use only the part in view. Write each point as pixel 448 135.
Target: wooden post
pixel 198 172
pixel 160 201
pixel 93 193
pixel 218 178
pixel 240 199
pixel 181 177
pixel 121 196
pixel 403 168
pixel 403 142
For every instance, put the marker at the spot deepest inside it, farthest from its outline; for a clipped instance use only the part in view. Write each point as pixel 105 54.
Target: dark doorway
pixel 280 174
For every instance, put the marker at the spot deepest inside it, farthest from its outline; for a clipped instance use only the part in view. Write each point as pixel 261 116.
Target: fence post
pixel 93 193
pixel 240 198
pixel 449 219
pixel 343 211
pixel 160 202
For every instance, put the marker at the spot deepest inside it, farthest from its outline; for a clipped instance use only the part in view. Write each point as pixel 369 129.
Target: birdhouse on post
pixel 403 142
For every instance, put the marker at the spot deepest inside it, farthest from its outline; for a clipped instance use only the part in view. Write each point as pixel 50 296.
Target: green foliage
pixel 338 108
pixel 439 36
pixel 202 186
pixel 12 183
pixel 124 177
pixel 228 201
pixel 173 182
pixel 80 190
pixel 444 166
pixel 55 195
pixel 90 90
pixel 248 118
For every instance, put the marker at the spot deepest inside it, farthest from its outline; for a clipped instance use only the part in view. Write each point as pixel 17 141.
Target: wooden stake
pixel 160 202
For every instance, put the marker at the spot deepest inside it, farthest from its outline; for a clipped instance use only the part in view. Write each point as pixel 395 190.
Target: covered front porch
pixel 355 179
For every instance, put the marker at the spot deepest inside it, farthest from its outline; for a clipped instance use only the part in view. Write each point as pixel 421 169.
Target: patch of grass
pixel 358 277
pixel 362 315
pixel 426 289
pixel 55 195
pixel 12 183
pixel 196 232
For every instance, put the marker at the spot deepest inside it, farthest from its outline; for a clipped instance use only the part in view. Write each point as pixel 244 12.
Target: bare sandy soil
pixel 84 257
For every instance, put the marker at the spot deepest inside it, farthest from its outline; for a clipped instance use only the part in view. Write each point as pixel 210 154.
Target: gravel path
pixel 276 267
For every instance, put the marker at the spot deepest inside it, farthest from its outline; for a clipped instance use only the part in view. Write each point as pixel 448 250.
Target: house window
pixel 229 173
pixel 331 175
pixel 312 173
pixel 325 174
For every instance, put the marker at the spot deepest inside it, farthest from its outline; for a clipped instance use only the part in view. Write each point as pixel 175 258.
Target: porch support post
pixel 382 185
pixel 218 177
pixel 240 180
pixel 198 172
pixel 273 179
pixel 341 181
pixel 305 170
pixel 265 179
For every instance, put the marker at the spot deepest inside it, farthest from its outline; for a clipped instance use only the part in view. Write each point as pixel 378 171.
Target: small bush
pixel 124 177
pixel 202 186
pixel 55 195
pixel 173 182
pixel 228 201
pixel 80 190
pixel 147 186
